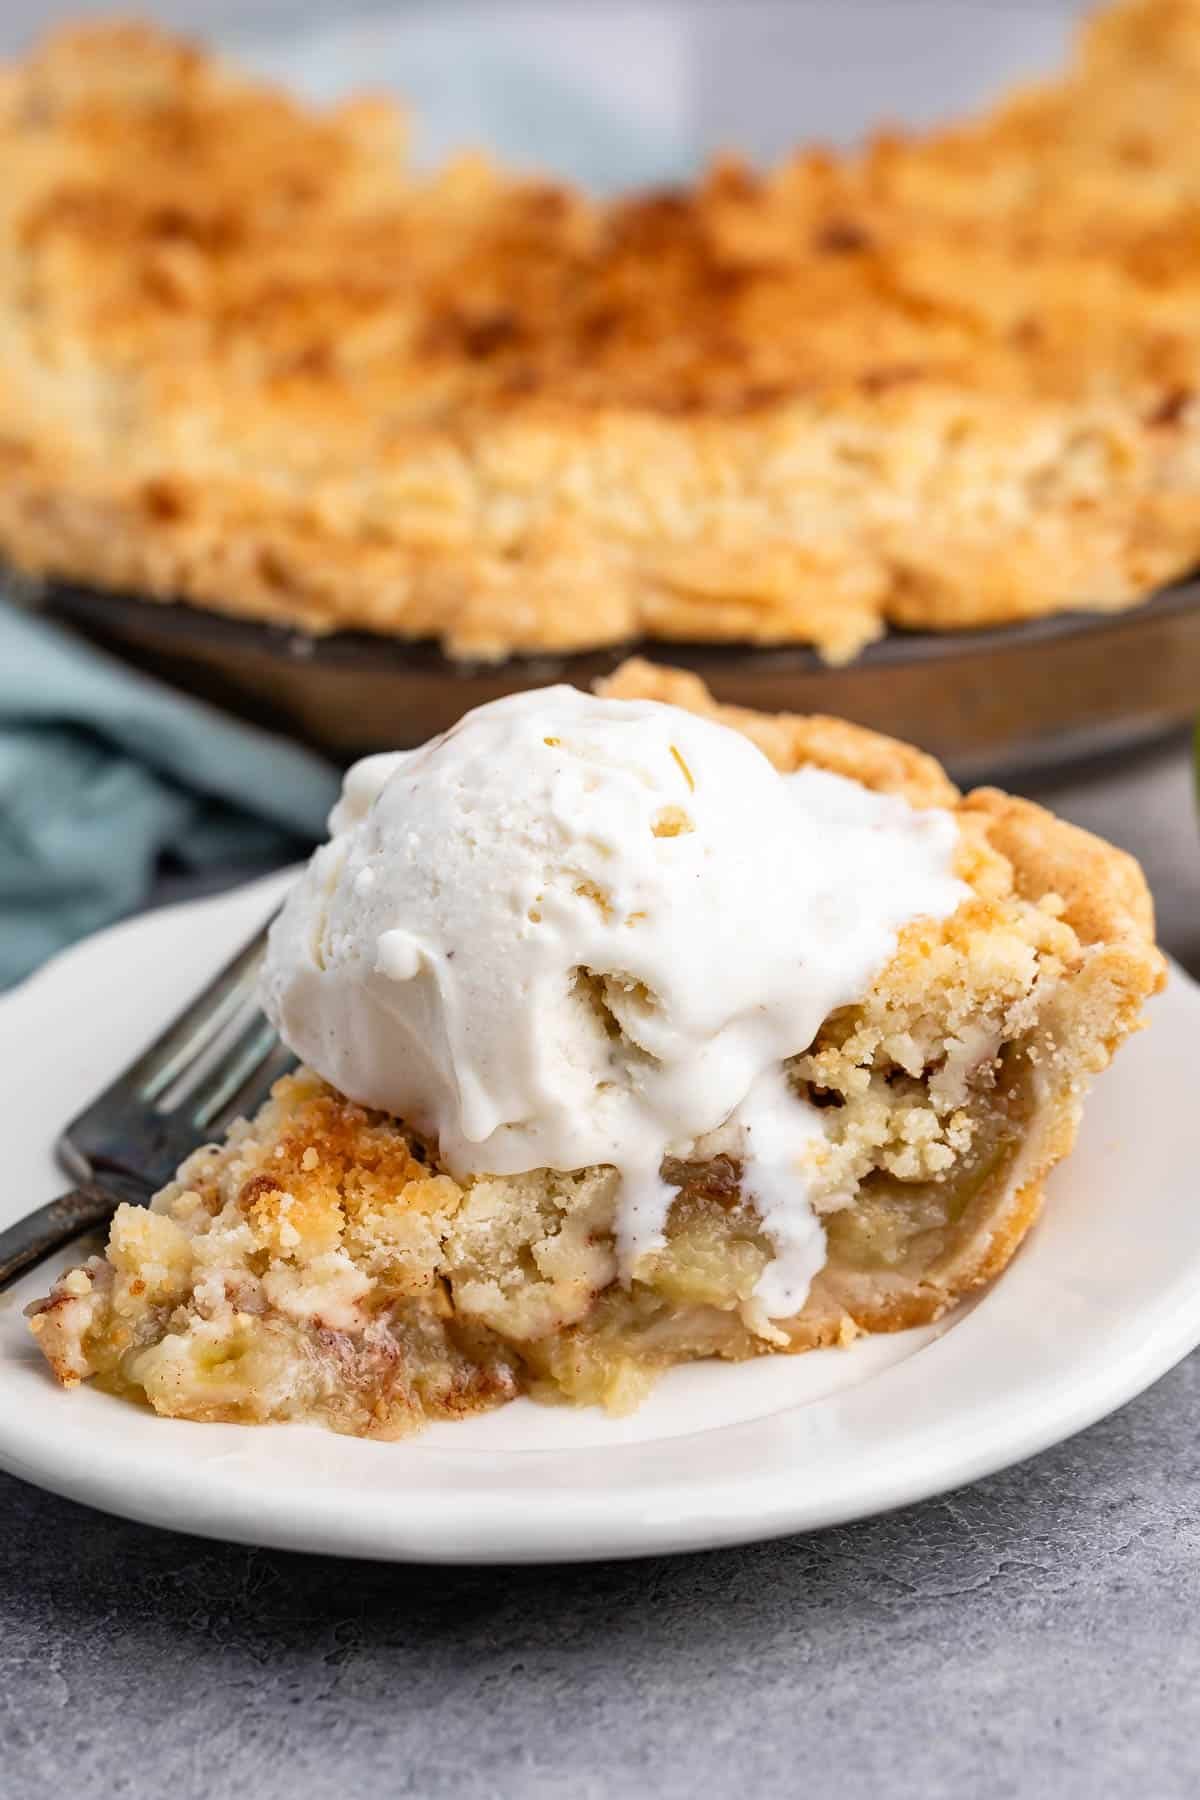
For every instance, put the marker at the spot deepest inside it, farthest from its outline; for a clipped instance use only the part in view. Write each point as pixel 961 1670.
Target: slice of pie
pixel 322 1263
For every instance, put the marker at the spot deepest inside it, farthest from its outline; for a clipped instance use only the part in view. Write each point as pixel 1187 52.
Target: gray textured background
pixel 1034 1635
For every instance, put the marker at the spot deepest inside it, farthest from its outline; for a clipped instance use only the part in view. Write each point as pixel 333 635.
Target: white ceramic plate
pixel 1104 1298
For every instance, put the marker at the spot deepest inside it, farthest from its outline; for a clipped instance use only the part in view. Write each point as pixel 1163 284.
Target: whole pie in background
pixel 250 359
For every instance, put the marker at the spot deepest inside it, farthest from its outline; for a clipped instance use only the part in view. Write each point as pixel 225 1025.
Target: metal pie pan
pixel 986 702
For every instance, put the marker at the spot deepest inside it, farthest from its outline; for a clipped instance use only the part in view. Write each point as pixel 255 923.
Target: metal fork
pixel 217 1059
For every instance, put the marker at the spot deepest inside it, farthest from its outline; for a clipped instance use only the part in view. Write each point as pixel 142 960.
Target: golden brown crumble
pixel 249 359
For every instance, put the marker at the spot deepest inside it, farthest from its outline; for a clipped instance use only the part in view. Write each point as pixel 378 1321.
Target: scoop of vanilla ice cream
pixel 575 931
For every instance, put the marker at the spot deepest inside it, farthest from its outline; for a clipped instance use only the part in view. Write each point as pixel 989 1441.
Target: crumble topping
pixel 943 378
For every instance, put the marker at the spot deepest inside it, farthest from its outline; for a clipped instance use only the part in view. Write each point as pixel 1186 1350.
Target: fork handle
pixel 39 1233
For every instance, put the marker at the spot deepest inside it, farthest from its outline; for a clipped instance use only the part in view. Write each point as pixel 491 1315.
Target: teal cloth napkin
pixel 104 774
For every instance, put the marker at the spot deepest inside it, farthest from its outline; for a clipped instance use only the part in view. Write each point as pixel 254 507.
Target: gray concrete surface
pixel 1032 1636
pixel 1035 1635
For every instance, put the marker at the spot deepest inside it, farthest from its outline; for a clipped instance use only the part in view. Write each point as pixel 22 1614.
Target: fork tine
pixel 166 1059
pixel 143 1124
pixel 250 1096
pixel 232 1070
